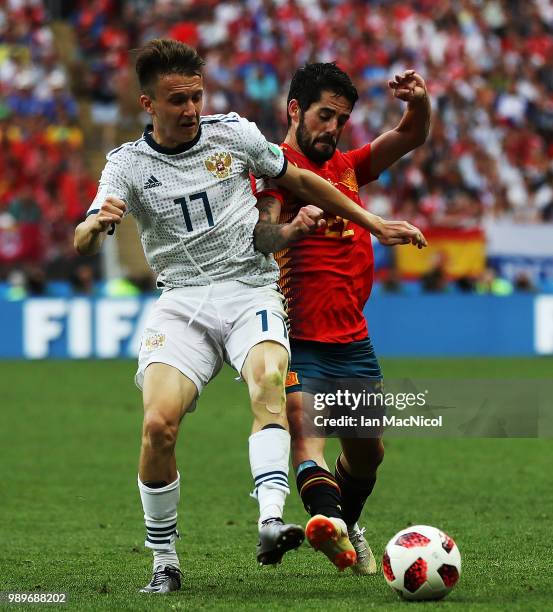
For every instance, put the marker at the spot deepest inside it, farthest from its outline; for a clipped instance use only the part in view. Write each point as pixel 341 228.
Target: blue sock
pixel 304 465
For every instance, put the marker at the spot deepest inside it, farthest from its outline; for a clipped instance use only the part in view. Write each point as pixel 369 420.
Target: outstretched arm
pixel 308 186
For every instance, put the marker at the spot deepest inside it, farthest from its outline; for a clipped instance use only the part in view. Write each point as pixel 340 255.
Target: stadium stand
pixel 66 99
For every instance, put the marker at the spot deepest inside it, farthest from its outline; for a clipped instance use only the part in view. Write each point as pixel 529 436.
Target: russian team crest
pixel 219 165
pixel 154 340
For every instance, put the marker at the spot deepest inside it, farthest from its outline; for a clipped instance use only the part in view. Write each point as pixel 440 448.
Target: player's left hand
pixel 408 86
pixel 392 233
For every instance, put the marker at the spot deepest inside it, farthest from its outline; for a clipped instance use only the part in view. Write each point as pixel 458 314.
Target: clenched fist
pixel 111 211
pixel 408 86
pixel 308 220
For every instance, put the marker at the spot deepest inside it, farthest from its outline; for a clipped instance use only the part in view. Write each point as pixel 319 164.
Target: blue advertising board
pixel 399 325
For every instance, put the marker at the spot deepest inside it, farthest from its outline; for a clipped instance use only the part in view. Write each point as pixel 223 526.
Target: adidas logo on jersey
pixel 152 182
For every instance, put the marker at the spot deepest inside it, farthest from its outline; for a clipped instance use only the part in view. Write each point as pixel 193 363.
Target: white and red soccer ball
pixel 421 562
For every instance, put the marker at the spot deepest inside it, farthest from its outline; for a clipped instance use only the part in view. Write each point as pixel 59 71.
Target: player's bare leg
pixel 167 394
pixel 319 491
pixel 265 371
pixel 356 469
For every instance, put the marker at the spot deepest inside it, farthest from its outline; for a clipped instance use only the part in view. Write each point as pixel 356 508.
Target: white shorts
pixel 196 329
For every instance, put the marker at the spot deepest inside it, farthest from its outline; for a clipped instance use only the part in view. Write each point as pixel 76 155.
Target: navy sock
pixel 319 491
pixel 354 493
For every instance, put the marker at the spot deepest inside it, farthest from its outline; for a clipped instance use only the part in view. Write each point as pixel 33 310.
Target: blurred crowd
pixel 44 184
pixel 487 64
pixel 436 281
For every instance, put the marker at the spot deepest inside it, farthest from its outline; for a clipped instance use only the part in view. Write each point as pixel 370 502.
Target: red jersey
pixel 327 276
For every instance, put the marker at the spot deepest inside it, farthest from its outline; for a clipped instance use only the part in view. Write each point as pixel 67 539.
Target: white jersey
pixel 194 204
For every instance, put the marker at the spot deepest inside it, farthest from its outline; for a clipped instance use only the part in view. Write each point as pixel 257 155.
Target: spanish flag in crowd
pixel 463 252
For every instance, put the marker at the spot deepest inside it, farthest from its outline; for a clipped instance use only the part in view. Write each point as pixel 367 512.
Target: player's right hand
pixel 111 211
pixel 392 233
pixel 308 220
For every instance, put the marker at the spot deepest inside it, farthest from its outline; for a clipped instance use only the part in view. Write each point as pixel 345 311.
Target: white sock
pixel 166 558
pixel 269 456
pixel 160 516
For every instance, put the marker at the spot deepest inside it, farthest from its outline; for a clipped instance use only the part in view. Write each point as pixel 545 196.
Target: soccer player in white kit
pixel 186 181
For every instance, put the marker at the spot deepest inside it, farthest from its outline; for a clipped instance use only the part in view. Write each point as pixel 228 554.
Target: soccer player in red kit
pixel 326 277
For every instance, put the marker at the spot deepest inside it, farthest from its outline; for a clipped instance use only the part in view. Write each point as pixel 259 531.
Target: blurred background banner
pixel 75 328
pixel 463 252
pixel 481 187
pixel 451 325
pixel 521 249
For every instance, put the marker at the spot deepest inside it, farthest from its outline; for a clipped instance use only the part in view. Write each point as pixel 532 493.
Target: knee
pixel 364 459
pixel 375 456
pixel 267 391
pixel 159 432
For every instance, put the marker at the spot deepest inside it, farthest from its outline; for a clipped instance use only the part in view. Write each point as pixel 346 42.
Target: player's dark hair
pixel 309 82
pixel 163 56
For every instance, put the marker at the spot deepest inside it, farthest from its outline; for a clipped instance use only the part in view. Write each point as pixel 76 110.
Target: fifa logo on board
pixel 219 165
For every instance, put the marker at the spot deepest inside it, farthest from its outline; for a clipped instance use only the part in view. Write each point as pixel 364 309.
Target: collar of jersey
pixel 185 146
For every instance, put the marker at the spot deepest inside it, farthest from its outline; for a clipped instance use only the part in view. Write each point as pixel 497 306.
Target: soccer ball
pixel 421 562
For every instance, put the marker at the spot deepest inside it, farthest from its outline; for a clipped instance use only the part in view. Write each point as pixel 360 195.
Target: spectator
pixel 524 283
pixel 490 283
pixel 82 280
pixel 435 280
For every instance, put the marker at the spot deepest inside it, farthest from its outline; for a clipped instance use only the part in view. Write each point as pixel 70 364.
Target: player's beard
pixel 307 144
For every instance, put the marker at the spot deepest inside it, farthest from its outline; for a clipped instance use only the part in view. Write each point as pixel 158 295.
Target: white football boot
pixel 366 563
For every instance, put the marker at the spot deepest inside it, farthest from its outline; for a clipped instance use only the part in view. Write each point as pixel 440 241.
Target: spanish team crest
pixel 219 165
pixel 292 379
pixel 349 180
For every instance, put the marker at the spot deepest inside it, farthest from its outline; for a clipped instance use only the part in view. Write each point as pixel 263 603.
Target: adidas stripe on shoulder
pixel 123 148
pixel 220 118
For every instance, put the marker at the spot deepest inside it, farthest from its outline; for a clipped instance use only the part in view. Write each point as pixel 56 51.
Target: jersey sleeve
pixel 264 158
pixel 115 181
pixel 263 188
pixel 360 160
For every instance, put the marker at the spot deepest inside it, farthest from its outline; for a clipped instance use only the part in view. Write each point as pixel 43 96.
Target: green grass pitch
pixel 71 516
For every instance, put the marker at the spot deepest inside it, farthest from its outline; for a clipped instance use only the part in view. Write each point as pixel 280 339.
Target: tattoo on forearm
pixel 267 237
